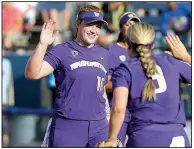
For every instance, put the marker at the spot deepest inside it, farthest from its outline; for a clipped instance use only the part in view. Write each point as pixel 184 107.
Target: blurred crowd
pixel 22 28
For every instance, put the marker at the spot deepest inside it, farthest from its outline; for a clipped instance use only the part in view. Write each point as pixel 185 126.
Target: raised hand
pixel 177 48
pixel 48 34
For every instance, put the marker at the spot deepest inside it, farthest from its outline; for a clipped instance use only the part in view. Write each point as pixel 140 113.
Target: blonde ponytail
pixel 149 67
pixel 142 37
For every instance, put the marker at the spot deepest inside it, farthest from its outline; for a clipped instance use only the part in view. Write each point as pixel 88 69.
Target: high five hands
pixel 177 48
pixel 48 33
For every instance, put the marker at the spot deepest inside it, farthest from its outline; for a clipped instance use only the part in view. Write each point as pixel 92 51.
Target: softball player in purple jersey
pixel 148 85
pixel 80 69
pixel 120 52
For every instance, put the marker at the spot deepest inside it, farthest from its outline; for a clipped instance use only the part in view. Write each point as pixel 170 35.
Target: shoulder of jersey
pixel 61 46
pixel 61 49
pixel 127 65
pixel 112 47
pixel 132 61
pixel 102 49
pixel 166 57
pixel 66 46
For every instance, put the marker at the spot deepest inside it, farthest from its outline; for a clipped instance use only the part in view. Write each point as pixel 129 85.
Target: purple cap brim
pixel 92 16
pixel 90 20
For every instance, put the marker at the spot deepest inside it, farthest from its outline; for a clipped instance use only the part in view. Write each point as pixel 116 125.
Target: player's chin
pixel 92 41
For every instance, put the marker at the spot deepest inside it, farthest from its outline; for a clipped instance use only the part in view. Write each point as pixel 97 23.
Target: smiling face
pixel 88 33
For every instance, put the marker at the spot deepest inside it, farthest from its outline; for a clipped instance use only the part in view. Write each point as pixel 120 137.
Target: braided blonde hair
pixel 142 35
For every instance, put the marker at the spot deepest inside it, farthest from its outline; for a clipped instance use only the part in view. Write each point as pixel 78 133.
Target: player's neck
pixel 123 45
pixel 83 44
pixel 131 53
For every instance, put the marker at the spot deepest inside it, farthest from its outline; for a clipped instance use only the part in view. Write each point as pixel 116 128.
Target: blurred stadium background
pixel 27 105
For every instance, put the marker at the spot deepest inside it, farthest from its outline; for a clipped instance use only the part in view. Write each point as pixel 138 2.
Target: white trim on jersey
pixel 186 63
pixel 178 141
pixel 45 143
pixel 107 107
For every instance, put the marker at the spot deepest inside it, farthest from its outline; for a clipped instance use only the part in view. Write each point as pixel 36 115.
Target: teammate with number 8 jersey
pixel 148 85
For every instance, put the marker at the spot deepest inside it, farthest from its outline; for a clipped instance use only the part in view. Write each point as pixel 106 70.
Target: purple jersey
pixel 167 108
pixel 118 55
pixel 80 75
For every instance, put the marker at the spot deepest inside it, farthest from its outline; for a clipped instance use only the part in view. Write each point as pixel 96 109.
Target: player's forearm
pixel 116 121
pixel 35 62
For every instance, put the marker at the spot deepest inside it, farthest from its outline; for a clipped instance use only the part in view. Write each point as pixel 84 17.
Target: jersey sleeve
pixel 121 77
pixel 183 69
pixel 111 63
pixel 52 56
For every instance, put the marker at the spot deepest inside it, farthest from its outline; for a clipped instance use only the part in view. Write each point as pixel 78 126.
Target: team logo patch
pixel 74 53
pixel 96 14
pixel 122 58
